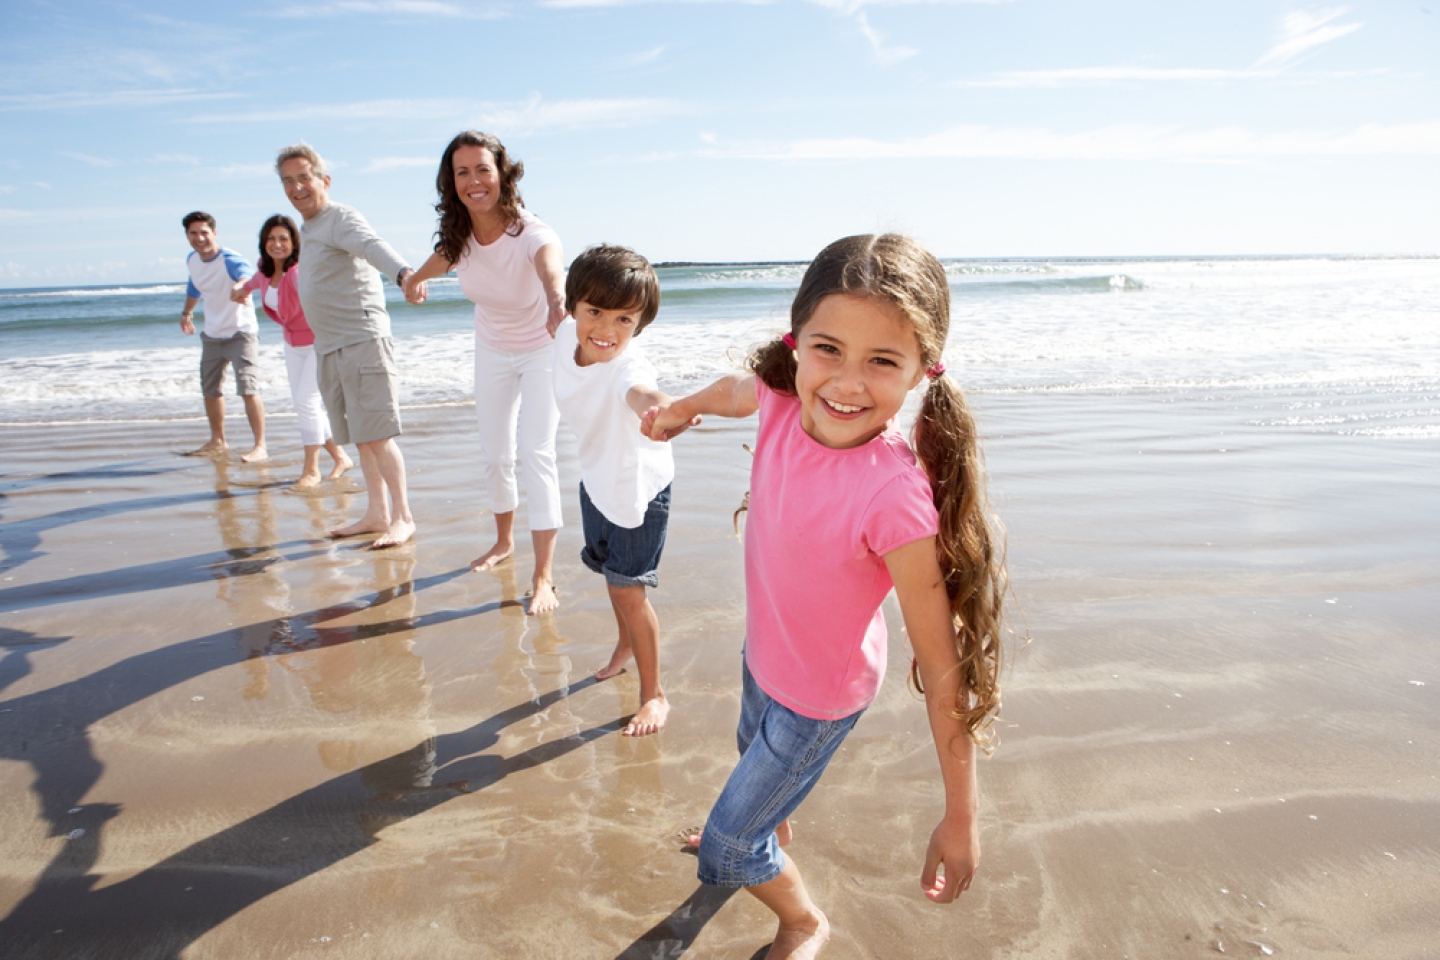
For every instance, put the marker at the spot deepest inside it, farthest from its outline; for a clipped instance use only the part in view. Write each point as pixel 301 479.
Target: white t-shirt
pixel 622 469
pixel 211 281
pixel 500 279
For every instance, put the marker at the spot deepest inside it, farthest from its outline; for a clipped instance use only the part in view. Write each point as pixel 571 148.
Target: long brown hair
pixel 267 262
pixel 455 228
pixel 897 270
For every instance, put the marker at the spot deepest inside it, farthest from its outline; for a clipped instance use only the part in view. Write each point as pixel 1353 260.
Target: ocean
pixel 1339 345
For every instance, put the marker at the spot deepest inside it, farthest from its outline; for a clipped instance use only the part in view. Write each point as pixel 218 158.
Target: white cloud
pixel 1082 75
pixel 6 188
pixel 381 164
pixel 1118 142
pixel 6 214
pixel 510 118
pixel 1301 32
pixel 175 158
pixel 406 8
pixel 886 55
pixel 643 57
pixel 86 158
pixel 242 171
pixel 109 98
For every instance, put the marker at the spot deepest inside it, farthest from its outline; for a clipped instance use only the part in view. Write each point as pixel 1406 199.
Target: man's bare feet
pixel 363 525
pixel 491 558
pixel 256 454
pixel 650 718
pixel 802 941
pixel 214 446
pixel 342 463
pixel 399 532
pixel 544 599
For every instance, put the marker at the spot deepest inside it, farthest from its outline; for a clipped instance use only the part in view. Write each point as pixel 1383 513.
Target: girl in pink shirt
pixel 840 511
pixel 279 262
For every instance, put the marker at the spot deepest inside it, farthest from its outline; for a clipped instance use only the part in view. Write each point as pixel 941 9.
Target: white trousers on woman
pixel 515 401
pixel 303 367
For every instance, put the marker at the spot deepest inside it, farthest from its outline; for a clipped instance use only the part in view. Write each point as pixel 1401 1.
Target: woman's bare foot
pixel 492 558
pixel 398 532
pixel 256 454
pixel 214 446
pixel 307 480
pixel 544 599
pixel 802 941
pixel 342 463
pixel 363 525
pixel 649 719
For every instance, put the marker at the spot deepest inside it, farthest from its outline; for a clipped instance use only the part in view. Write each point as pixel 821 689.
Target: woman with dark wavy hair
pixel 511 266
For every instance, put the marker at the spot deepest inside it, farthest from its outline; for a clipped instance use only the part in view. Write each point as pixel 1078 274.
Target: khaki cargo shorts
pixel 361 390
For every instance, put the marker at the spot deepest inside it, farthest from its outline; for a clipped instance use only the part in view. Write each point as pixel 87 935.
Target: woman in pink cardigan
pixel 279 259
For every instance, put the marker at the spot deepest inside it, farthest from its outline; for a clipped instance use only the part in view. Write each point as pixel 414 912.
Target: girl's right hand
pixel 956 845
pixel 662 422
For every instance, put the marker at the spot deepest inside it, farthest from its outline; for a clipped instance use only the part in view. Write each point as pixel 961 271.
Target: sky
pixel 719 130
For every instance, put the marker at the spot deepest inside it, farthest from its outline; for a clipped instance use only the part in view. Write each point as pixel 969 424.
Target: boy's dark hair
pixel 614 278
pixel 199 216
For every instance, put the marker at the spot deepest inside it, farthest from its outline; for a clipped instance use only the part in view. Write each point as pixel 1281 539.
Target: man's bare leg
pixel 643 628
pixel 803 928
pixel 342 460
pixel 504 543
pixel 377 507
pixel 392 471
pixel 215 414
pixel 255 413
pixel 543 600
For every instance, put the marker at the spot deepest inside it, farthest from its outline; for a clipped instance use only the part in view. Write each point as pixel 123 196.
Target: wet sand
pixel 225 736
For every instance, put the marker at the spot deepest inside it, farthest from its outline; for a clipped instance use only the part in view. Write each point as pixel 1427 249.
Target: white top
pixel 211 281
pixel 622 469
pixel 500 279
pixel 272 296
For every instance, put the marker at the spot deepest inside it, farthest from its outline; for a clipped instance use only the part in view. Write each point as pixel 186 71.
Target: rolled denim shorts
pixel 628 557
pixel 782 755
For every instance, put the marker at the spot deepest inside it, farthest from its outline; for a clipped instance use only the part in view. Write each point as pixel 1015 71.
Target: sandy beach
pixel 225 736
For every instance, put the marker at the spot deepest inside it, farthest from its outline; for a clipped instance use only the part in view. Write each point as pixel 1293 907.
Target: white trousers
pixel 302 365
pixel 515 401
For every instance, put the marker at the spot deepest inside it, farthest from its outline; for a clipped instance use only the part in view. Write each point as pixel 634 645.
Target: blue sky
pixel 730 130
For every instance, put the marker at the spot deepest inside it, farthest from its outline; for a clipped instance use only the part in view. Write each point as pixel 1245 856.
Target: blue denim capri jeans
pixel 782 755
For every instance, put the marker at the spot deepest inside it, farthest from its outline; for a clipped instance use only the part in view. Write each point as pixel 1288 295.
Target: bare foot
pixel 307 480
pixel 363 525
pixel 544 599
pixel 399 532
pixel 801 942
pixel 616 666
pixel 341 465
pixel 650 718
pixel 783 833
pixel 256 454
pixel 491 558
pixel 214 446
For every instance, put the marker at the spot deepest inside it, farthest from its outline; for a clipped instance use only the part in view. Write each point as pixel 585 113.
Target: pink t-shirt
pixel 819 524
pixel 500 279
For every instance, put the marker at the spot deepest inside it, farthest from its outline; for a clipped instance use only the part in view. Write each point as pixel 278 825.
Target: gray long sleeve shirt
pixel 340 291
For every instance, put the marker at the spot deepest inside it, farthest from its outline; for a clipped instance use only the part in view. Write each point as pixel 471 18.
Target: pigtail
pixel 970 547
pixel 774 363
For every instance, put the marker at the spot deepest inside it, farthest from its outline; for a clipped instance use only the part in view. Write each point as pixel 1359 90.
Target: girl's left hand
pixel 957 846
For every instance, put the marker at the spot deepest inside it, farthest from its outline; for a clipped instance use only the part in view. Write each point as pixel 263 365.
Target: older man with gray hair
pixel 344 301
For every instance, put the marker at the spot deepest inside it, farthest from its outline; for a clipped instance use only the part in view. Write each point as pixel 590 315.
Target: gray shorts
pixel 361 391
pixel 242 351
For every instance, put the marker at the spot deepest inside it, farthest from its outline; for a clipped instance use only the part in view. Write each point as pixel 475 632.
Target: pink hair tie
pixel 788 340
pixel 936 370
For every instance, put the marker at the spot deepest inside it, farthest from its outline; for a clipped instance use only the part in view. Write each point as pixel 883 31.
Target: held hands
pixel 661 423
pixel 238 293
pixel 955 844
pixel 416 291
pixel 557 317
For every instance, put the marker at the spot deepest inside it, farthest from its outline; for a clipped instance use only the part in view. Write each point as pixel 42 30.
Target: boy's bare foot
pixel 341 465
pixel 491 558
pixel 307 480
pixel 800 942
pixel 649 719
pixel 544 599
pixel 783 833
pixel 214 446
pixel 256 454
pixel 363 525
pixel 399 532
pixel 616 666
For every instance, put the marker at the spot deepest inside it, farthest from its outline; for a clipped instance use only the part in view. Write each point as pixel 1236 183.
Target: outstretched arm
pixel 416 290
pixel 642 400
pixel 550 268
pixel 920 588
pixel 730 396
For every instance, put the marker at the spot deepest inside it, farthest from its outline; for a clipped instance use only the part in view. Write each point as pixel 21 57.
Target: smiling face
pixel 202 237
pixel 603 334
pixel 477 180
pixel 279 245
pixel 308 191
pixel 857 359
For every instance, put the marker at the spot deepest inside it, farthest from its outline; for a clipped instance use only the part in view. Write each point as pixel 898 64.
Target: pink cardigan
pixel 291 317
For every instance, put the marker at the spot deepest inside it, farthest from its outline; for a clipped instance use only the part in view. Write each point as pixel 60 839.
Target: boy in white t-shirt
pixel 603 386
